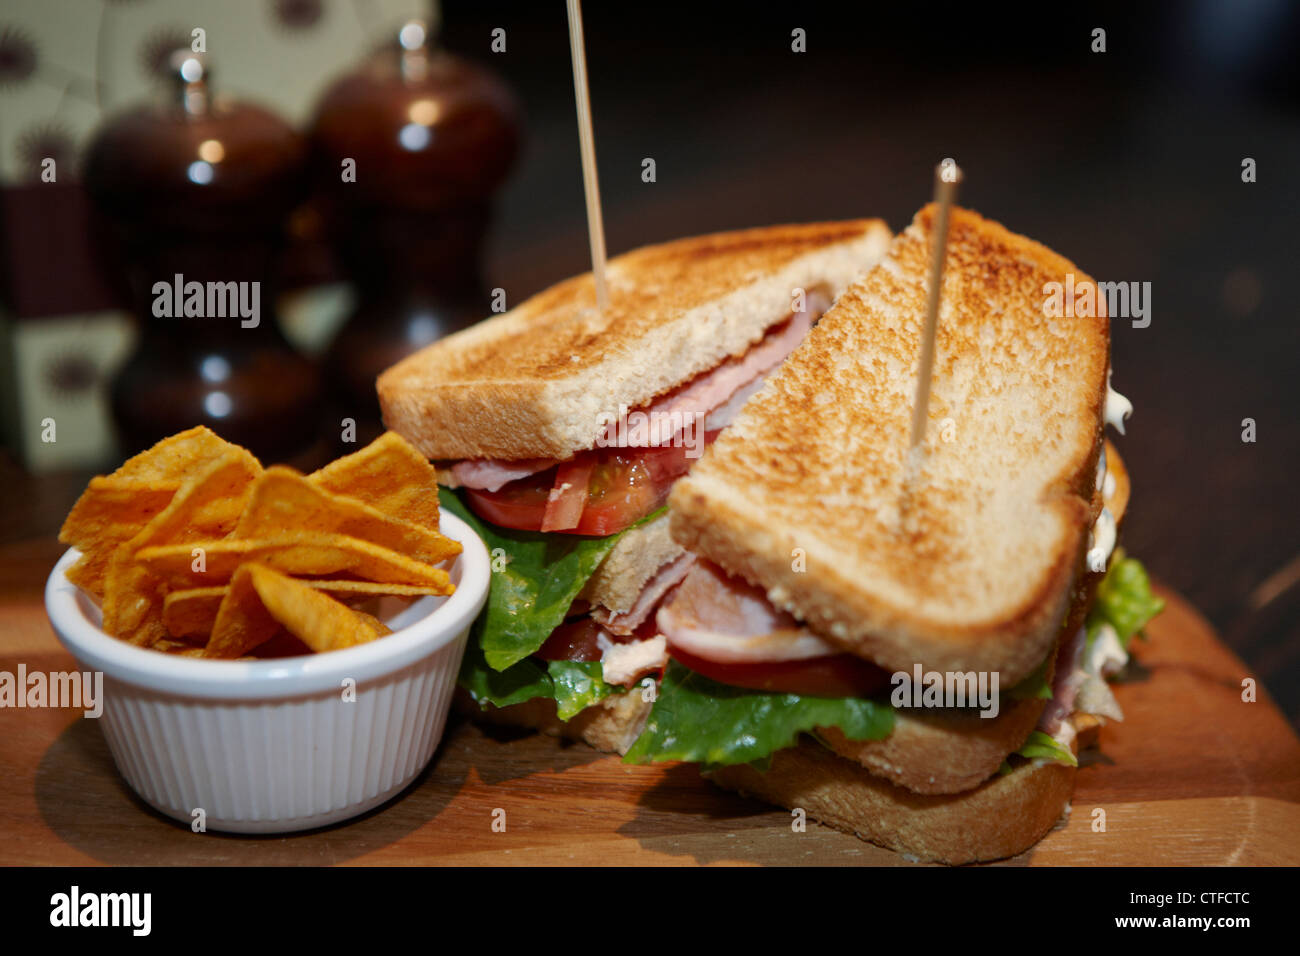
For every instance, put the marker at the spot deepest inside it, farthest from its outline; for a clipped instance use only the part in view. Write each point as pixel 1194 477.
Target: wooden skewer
pixel 595 224
pixel 947 176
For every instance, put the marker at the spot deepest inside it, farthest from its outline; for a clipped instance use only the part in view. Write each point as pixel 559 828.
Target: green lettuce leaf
pixel 530 595
pixel 577 685
pixel 573 685
pixel 1040 745
pixel 529 598
pixel 1124 600
pixel 702 721
pixel 514 685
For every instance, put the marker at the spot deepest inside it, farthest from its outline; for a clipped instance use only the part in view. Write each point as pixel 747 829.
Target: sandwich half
pixel 559 430
pixel 910 649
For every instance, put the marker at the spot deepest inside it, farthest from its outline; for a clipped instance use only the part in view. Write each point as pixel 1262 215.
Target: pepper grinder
pixel 408 149
pixel 192 194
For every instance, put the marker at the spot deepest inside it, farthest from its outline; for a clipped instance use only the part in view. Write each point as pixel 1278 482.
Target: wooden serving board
pixel 1193 776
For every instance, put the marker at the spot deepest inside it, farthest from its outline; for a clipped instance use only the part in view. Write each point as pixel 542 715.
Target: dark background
pixel 1128 162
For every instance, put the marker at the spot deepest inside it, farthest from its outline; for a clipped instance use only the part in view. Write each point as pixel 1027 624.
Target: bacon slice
pixel 717 394
pixel 663 580
pixel 723 619
pixel 1070 676
pixel 726 413
pixel 1080 686
pixel 711 390
pixel 489 474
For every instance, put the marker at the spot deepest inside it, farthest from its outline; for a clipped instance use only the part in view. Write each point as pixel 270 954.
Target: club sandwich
pixel 911 647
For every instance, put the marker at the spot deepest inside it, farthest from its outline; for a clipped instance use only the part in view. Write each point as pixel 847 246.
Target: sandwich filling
pixel 549 525
pixel 636 455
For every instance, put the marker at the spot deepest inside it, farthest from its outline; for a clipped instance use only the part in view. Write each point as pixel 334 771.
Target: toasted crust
pixel 975 572
pixel 535 381
pixel 1002 817
pixel 941 752
pixel 610 725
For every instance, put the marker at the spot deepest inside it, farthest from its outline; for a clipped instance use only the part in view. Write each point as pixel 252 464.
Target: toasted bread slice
pixel 945 752
pixel 611 725
pixel 1003 816
pixel 534 381
pixel 939 751
pixel 975 571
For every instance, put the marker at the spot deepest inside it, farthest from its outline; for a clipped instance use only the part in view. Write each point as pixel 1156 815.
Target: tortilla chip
pixel 315 618
pixel 243 622
pixel 374 623
pixel 114 509
pixel 91 576
pixel 295 553
pixel 109 512
pixel 283 500
pixel 389 475
pixel 192 613
pixel 208 505
pixel 198 514
pixel 178 457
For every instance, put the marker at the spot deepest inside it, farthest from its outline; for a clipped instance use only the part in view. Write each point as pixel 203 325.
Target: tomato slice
pixel 837 675
pixel 520 504
pixel 623 485
pixel 568 496
pixel 576 639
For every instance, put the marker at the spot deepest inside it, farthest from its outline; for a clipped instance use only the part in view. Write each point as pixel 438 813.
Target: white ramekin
pixel 272 746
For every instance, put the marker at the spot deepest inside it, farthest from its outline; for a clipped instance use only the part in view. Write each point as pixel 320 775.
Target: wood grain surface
pixel 1194 775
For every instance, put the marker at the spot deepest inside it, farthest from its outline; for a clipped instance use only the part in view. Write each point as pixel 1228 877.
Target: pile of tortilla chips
pixel 192 547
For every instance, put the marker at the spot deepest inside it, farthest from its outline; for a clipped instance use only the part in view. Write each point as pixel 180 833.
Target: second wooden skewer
pixel 595 224
pixel 947 177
